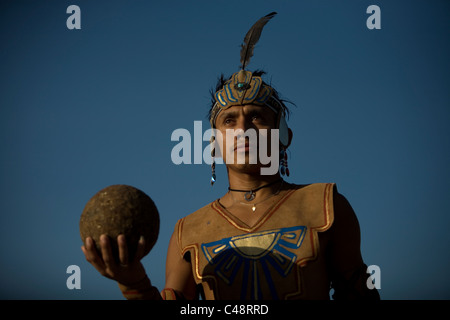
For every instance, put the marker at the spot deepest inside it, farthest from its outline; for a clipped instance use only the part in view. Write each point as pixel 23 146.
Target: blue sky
pixel 84 109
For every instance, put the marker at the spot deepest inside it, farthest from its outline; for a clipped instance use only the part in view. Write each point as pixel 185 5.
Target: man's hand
pixel 125 272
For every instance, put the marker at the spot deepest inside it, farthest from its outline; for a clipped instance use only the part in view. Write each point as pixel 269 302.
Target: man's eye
pixel 256 117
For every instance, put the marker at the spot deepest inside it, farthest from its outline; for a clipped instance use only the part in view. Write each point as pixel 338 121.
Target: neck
pixel 243 181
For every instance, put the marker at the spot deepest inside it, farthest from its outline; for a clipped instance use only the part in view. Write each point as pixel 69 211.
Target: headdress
pixel 244 88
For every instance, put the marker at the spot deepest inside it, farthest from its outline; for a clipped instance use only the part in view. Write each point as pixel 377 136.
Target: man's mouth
pixel 242 147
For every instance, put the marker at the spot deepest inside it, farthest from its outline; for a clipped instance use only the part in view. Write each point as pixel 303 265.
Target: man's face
pixel 240 128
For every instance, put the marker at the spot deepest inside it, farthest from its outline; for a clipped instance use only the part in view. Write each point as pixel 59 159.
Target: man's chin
pixel 250 168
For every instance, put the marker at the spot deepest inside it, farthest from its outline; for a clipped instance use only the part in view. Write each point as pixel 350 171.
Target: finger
pixel 140 250
pixel 123 249
pixel 91 254
pixel 90 251
pixel 83 248
pixel 106 249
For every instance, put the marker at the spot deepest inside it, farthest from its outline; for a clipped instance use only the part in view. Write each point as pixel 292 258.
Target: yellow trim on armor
pixel 223 212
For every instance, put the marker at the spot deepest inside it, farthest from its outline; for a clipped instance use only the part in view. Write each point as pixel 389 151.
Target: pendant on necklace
pixel 249 196
pixel 254 208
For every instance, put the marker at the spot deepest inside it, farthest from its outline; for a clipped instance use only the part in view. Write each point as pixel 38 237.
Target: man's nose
pixel 244 124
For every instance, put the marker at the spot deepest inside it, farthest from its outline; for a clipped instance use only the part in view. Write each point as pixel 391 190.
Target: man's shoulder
pixel 310 204
pixel 317 188
pixel 317 185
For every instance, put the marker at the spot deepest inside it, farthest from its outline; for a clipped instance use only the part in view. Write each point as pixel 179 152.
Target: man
pixel 264 238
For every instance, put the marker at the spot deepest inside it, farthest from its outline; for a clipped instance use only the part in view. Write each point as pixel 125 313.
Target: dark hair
pixel 258 73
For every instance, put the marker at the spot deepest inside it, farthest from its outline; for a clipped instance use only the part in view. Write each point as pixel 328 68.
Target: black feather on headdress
pixel 252 37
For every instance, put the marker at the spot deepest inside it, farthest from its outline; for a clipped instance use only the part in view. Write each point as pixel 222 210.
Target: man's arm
pixel 179 278
pixel 130 275
pixel 348 272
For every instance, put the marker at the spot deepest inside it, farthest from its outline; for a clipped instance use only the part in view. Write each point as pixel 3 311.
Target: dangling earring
pixel 213 163
pixel 284 170
pixel 213 172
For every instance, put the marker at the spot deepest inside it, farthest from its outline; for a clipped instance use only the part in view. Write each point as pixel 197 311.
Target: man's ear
pixel 285 133
pixel 290 137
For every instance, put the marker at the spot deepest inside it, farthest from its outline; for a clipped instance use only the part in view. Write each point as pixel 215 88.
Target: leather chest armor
pixel 272 259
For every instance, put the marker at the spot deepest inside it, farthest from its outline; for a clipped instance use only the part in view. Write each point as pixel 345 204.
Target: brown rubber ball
pixel 121 209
